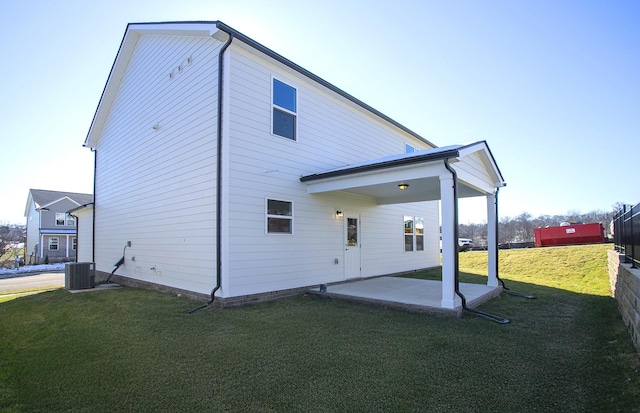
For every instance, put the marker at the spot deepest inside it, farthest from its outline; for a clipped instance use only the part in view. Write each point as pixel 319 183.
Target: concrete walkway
pixel 408 294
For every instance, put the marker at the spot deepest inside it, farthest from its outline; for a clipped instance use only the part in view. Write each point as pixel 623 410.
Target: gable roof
pixel 42 198
pixel 208 29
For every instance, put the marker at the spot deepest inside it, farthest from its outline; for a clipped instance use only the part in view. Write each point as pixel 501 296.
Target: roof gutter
pixel 453 153
pixel 218 177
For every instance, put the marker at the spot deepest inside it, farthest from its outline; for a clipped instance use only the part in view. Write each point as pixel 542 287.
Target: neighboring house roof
pixel 42 198
pixel 209 29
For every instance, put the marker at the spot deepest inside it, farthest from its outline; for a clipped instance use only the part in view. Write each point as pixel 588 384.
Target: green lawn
pixel 135 350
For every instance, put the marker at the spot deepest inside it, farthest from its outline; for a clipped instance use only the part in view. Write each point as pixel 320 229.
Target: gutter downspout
pixel 77 232
pixel 218 176
pixel 491 317
pixel 514 293
pixel 93 214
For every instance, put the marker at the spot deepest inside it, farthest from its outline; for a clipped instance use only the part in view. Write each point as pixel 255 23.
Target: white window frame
pixel 57 244
pixel 285 110
pixel 417 234
pixel 67 219
pixel 64 219
pixel 414 233
pixel 274 216
pixel 74 243
pixel 407 146
pixel 406 234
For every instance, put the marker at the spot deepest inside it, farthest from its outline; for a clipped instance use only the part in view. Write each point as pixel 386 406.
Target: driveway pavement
pixel 24 281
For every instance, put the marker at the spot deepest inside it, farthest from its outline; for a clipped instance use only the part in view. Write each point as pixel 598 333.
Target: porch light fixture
pixel 339 214
pixel 403 186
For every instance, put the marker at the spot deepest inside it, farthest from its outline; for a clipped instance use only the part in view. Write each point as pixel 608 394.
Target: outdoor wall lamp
pixel 339 214
pixel 403 186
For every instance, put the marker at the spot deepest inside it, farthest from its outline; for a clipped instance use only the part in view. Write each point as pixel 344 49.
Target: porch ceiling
pixel 477 172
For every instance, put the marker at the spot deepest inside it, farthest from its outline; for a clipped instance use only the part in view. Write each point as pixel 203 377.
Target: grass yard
pixel 135 350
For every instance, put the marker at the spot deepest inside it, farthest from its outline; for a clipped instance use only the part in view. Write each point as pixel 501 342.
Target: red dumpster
pixel 569 235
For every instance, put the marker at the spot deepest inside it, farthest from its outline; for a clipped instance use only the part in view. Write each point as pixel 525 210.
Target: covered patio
pixel 445 174
pixel 422 296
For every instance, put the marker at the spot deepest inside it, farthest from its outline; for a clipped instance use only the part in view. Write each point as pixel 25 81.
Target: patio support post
pixel 449 244
pixel 492 240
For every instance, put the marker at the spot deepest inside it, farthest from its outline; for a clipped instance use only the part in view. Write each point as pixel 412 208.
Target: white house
pixel 225 170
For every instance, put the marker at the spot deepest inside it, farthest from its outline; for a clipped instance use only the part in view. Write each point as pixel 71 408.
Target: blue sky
pixel 552 86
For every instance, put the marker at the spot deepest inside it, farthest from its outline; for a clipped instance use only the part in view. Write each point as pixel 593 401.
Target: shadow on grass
pixel 137 350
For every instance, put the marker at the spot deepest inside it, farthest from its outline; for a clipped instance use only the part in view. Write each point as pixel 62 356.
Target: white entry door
pixel 352 246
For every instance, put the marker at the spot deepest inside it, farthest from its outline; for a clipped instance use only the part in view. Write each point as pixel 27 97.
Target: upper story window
pixel 60 218
pixel 284 102
pixel 65 219
pixel 279 217
pixel 408 148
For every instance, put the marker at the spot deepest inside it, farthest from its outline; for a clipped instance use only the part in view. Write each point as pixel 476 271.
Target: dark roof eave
pixel 249 41
pixel 79 207
pixel 429 157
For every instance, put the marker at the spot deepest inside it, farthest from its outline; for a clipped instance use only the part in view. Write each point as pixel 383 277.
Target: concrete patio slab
pixel 408 294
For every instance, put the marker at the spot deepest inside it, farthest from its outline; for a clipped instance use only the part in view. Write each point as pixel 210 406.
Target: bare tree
pixel 10 238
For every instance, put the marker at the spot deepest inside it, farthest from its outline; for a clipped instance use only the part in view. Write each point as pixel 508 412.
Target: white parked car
pixel 465 244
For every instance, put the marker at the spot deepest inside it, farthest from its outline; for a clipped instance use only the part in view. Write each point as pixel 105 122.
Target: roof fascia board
pixel 202 28
pixel 283 60
pixel 78 208
pixel 58 200
pixel 125 51
pixel 428 157
pixel 398 174
pixel 487 156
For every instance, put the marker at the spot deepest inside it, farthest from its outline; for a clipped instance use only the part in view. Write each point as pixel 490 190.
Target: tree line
pixel 519 229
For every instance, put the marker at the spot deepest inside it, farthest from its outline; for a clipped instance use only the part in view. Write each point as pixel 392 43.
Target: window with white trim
pixel 279 217
pixel 419 234
pixel 284 110
pixel 53 243
pixel 413 233
pixel 408 148
pixel 64 219
pixel 74 243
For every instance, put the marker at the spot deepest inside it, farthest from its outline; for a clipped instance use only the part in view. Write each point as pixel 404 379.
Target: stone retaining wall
pixel 625 285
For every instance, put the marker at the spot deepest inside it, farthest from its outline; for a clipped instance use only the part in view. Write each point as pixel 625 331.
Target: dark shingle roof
pixel 42 197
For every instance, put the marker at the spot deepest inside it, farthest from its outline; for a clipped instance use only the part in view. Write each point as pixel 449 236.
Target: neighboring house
pixel 51 230
pixel 224 169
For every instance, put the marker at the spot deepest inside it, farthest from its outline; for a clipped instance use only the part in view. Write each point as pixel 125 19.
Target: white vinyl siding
pixel 156 176
pixel 331 132
pixel 85 235
pixel 156 163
